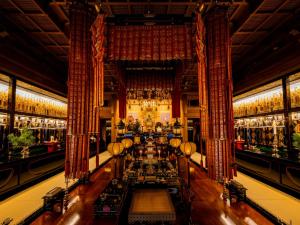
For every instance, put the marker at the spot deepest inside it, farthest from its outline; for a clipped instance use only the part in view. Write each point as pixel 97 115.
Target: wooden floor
pixel 207 206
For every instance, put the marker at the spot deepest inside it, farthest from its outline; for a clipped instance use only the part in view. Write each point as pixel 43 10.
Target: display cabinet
pixel 265 121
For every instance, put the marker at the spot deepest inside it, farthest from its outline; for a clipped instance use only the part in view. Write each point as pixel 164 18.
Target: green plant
pixel 25 139
pixel 296 140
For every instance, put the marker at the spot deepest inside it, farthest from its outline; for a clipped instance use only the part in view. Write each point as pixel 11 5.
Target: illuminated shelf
pixel 295 92
pixel 281 111
pixel 17 113
pixel 35 101
pixel 265 100
pixel 3 94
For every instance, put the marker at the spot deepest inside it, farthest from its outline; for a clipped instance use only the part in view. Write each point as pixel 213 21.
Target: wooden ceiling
pixel 257 27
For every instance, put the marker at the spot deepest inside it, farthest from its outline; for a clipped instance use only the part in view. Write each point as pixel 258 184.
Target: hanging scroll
pixel 77 151
pixel 202 86
pixel 148 43
pixel 219 152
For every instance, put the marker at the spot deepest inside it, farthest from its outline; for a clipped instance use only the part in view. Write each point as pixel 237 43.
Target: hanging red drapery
pixel 148 43
pixel 121 93
pixel 144 79
pixel 77 152
pixel 97 80
pixel 202 85
pixel 176 95
pixel 219 152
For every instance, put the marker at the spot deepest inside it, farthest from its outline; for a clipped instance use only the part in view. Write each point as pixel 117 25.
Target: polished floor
pixel 21 205
pixel 284 206
pixel 207 205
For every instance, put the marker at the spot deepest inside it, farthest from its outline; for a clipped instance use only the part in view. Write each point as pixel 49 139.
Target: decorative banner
pixel 176 95
pixel 200 40
pixel 220 151
pixel 77 142
pixel 148 43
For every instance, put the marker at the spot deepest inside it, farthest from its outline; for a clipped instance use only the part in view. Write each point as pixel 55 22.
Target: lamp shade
pixel 188 148
pixel 127 142
pixel 175 142
pixel 115 149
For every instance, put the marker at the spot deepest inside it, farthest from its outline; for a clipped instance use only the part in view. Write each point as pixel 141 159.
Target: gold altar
pixel 149 112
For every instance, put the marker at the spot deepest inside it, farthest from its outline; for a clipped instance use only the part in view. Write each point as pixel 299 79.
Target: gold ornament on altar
pixel 188 148
pixel 137 140
pixel 127 143
pixel 175 142
pixel 115 148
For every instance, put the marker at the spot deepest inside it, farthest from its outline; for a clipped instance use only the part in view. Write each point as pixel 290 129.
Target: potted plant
pixel 24 140
pixel 294 152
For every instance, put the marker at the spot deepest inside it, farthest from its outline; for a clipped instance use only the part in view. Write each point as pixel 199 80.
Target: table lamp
pixel 115 149
pixel 188 148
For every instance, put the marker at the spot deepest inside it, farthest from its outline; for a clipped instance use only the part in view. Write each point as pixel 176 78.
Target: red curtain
pixel 97 80
pixel 202 85
pixel 122 93
pixel 220 150
pixel 147 43
pixel 176 95
pixel 150 79
pixel 77 151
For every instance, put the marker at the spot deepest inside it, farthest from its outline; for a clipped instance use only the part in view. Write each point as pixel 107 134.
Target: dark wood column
pixel 221 132
pixel 77 143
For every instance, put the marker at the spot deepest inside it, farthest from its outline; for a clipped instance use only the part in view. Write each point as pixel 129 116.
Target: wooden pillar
pixel 78 120
pixel 221 132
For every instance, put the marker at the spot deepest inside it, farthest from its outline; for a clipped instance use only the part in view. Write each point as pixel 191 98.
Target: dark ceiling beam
pixel 261 39
pixel 47 32
pixel 252 9
pixel 237 9
pixel 167 3
pixel 251 32
pixel 32 21
pixel 59 26
pixel 54 46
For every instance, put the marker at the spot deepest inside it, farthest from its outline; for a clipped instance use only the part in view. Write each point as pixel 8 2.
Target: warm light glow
pixel 32 95
pixel 137 140
pixel 175 142
pixel 249 221
pixel 3 87
pixel 73 220
pixel 262 95
pixel 115 149
pixel 226 220
pixel 127 142
pixel 188 148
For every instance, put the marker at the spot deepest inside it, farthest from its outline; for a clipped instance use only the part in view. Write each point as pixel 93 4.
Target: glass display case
pixel 3 92
pixel 263 120
pixel 262 100
pixel 33 100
